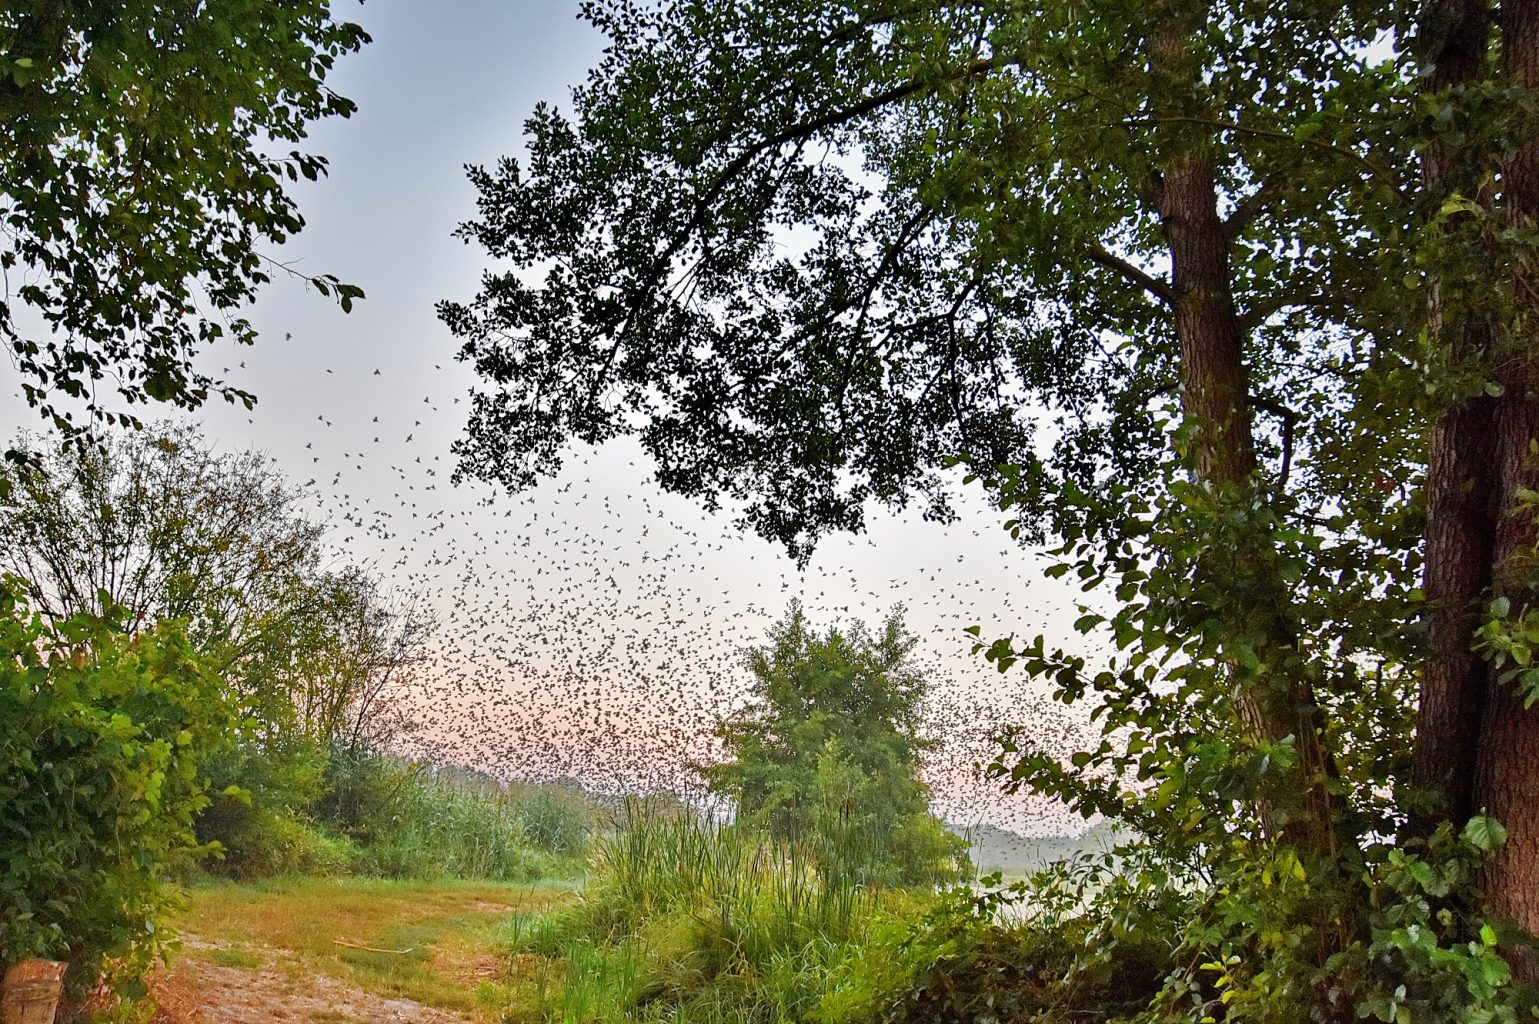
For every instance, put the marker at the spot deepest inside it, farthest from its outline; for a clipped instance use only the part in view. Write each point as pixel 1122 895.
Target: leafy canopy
pixel 142 169
pixel 808 252
pixel 831 745
pixel 156 522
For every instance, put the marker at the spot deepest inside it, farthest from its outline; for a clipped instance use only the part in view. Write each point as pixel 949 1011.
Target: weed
pixel 227 957
pixel 687 918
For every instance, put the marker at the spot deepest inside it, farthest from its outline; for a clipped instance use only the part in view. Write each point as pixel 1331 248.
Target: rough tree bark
pixel 1216 405
pixel 1507 777
pixel 1215 394
pixel 1461 478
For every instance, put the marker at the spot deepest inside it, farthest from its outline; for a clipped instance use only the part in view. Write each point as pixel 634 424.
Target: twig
pixel 374 949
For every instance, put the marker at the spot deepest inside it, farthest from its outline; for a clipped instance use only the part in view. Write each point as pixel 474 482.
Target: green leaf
pixel 1484 833
pixel 1421 872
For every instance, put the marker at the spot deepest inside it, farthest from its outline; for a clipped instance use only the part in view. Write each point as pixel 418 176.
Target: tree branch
pixel 1289 420
pixel 1158 287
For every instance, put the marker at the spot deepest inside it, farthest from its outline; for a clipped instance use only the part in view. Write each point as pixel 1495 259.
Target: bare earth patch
pixel 342 951
pixel 200 992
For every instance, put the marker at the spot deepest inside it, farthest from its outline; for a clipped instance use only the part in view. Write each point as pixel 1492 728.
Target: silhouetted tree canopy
pixel 145 149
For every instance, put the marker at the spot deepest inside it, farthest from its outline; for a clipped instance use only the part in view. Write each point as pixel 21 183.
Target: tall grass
pixel 332 812
pixel 689 918
pixel 754 883
pixel 443 827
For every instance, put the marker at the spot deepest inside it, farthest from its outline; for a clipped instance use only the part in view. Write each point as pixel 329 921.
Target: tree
pixel 1478 735
pixel 157 523
pixel 142 174
pixel 1225 233
pixel 347 664
pixel 830 748
pixel 1029 174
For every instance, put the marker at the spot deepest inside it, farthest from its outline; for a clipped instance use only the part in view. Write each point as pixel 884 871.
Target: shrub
pixel 102 739
pixel 257 817
pixel 357 789
pixel 260 842
pixel 298 810
pixel 962 966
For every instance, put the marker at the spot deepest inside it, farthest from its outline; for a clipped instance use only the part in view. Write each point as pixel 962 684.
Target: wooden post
pixel 30 992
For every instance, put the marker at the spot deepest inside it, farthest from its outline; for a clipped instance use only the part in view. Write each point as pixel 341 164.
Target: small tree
pixel 828 751
pixel 159 524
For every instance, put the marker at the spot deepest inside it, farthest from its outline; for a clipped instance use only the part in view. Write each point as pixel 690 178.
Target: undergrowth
pixel 686 918
pixel 304 812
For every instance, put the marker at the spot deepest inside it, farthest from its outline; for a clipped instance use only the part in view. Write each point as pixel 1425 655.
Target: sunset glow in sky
pixel 591 627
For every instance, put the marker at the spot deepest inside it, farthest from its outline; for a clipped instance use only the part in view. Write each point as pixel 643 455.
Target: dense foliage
pixel 100 780
pixel 157 522
pixel 1232 304
pixel 685 918
pixel 312 810
pixel 973 189
pixel 829 749
pixel 164 526
pixel 144 170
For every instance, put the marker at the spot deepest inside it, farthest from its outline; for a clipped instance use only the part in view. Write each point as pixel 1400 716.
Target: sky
pixel 590 628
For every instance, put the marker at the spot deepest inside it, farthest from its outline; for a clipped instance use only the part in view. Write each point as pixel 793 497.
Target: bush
pixel 357 789
pixel 299 810
pixel 258 816
pixel 102 740
pixel 961 966
pixel 260 842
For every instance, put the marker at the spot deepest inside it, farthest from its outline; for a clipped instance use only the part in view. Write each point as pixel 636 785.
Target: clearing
pixel 346 950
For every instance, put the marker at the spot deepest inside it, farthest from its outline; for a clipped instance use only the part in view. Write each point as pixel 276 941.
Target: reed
pixel 443 828
pixel 688 917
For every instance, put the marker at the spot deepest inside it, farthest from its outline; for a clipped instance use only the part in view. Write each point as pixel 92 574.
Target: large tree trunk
pixel 1215 389
pixel 1507 765
pixel 1461 478
pixel 1507 779
pixel 1215 394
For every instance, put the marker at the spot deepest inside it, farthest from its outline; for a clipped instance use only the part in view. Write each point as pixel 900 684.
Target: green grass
pixel 443 828
pixel 453 929
pixel 227 957
pixel 686 919
pixel 682 919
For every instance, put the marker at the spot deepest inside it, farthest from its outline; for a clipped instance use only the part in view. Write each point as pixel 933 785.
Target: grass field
pixel 681 919
pixel 441 943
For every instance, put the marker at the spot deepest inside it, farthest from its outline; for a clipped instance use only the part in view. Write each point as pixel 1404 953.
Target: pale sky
pixel 589 627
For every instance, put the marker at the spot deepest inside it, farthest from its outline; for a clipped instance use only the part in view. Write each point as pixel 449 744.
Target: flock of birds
pixel 593 628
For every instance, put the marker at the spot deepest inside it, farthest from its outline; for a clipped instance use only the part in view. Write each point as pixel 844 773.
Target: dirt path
pixel 201 992
pixel 344 951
